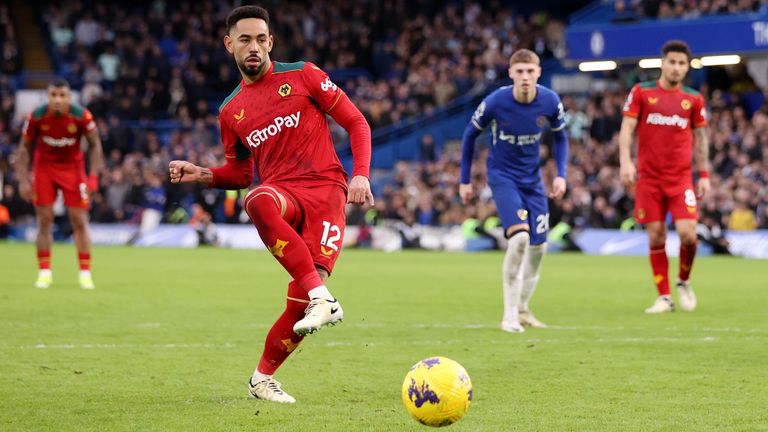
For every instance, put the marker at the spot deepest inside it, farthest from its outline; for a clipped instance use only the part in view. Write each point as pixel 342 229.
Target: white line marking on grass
pixel 148 325
pixel 122 346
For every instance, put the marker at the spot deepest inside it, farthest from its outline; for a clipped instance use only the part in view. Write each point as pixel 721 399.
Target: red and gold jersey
pixel 280 120
pixel 665 123
pixel 57 136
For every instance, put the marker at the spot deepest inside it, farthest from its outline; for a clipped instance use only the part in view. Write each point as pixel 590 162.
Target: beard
pixel 250 71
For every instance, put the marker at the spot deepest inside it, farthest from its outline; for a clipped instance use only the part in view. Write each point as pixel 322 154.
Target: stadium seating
pixel 153 78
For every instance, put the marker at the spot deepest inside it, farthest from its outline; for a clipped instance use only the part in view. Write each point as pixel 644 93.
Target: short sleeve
pixel 29 130
pixel 320 86
pixel 633 106
pixel 482 115
pixel 699 113
pixel 557 117
pixel 87 123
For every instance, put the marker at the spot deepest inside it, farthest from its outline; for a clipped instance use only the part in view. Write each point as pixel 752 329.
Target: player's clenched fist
pixel 183 172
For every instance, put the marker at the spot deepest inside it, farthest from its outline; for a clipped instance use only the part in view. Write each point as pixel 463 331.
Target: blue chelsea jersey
pixel 516 133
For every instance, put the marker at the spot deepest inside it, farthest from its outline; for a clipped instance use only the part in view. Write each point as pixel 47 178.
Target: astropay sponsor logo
pixel 259 136
pixel 662 120
pixel 58 142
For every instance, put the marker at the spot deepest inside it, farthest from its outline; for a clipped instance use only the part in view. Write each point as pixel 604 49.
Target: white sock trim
pixel 258 376
pixel 320 292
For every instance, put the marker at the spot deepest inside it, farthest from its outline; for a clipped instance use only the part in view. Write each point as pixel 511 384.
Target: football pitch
pixel 169 338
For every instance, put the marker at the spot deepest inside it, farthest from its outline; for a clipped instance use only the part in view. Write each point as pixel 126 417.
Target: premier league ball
pixel 437 391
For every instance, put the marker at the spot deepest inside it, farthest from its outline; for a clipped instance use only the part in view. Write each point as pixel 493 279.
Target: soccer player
pixel 276 117
pixel 56 129
pixel 517 114
pixel 670 119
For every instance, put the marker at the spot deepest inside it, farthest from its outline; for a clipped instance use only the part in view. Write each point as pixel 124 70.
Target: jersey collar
pixel 263 77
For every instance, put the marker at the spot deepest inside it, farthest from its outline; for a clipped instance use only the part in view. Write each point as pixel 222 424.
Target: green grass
pixel 169 337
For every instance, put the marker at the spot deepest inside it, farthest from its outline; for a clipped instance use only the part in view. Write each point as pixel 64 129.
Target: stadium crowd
pixel 137 64
pixel 630 10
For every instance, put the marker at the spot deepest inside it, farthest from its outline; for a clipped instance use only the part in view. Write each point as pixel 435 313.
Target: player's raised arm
pixel 236 173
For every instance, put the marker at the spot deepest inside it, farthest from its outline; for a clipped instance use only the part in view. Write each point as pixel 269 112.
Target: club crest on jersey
pixel 259 136
pixel 284 90
pixel 541 121
pixel 71 128
pixel 522 214
pixel 653 100
pixel 686 104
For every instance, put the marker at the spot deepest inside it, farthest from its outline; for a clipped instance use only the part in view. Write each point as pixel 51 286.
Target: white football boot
pixel 44 279
pixel 86 280
pixel 512 326
pixel 269 389
pixel 529 320
pixel 319 313
pixel 661 305
pixel 686 296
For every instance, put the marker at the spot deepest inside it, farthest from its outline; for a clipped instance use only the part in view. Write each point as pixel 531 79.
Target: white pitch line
pixel 370 344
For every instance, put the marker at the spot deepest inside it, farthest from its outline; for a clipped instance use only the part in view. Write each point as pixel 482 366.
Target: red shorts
pixel 653 201
pixel 70 178
pixel 321 220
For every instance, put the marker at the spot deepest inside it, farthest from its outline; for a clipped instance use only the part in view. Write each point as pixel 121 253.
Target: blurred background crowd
pixel 153 78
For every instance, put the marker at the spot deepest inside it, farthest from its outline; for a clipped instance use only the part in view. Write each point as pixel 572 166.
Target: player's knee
pixel 79 223
pixel 688 238
pixel 262 202
pixel 518 240
pixel 44 221
pixel 657 237
pixel 514 230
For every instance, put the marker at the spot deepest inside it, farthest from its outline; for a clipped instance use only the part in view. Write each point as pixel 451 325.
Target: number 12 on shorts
pixel 335 235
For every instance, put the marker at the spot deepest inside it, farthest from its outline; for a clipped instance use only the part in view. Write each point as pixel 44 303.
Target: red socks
pixel 281 340
pixel 85 260
pixel 264 208
pixel 44 259
pixel 687 254
pixel 660 267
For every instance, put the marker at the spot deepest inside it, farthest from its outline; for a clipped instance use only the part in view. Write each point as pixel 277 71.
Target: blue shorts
pixel 523 204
